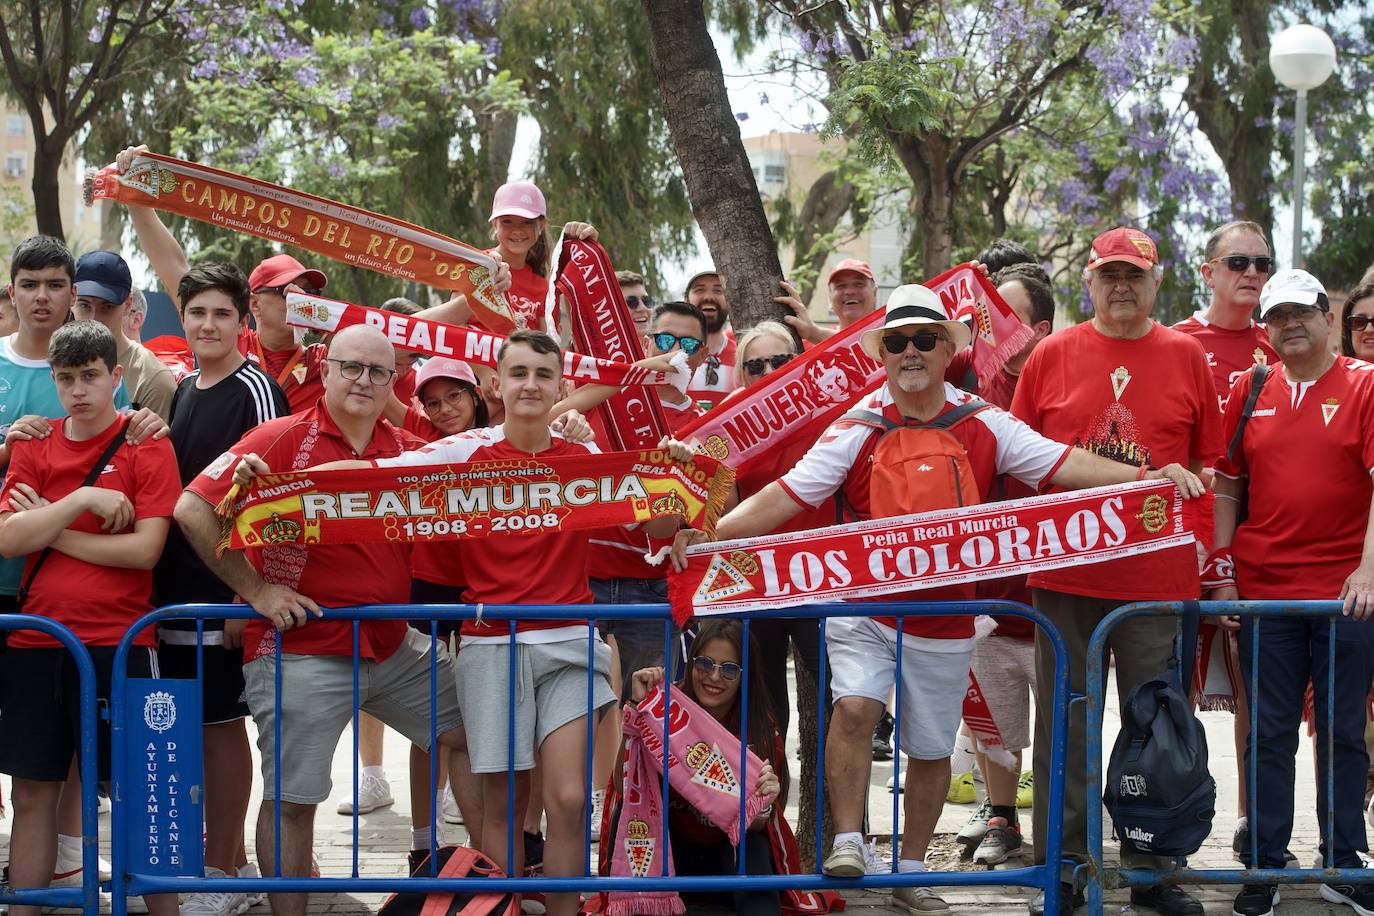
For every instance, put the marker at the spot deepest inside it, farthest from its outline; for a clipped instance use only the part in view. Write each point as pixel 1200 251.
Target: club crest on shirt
pixel 1329 408
pixel 1121 377
pixel 216 468
pixel 1261 358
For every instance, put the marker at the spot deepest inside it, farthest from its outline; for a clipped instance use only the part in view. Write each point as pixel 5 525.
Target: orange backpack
pixel 919 467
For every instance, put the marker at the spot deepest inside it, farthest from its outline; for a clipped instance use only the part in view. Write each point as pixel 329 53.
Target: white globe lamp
pixel 1302 58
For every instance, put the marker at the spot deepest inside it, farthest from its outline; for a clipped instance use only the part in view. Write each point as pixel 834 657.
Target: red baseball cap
pixel 852 265
pixel 281 269
pixel 1123 244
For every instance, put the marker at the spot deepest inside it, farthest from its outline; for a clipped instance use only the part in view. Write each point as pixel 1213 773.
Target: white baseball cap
pixel 1292 286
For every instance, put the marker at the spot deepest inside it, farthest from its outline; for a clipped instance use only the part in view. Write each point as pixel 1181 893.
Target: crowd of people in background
pixel 115 458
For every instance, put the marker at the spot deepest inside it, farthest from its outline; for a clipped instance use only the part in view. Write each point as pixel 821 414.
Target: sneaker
pixel 533 903
pixel 250 870
pixel 882 737
pixel 961 790
pixel 1069 900
pixel 1025 790
pixel 373 792
pixel 1167 900
pixel 874 863
pixel 67 870
pixel 1256 900
pixel 214 903
pixel 1359 897
pixel 598 803
pixel 1240 843
pixel 846 860
pixel 973 831
pixel 1001 840
pixel 451 812
pixel 918 900
pixel 534 851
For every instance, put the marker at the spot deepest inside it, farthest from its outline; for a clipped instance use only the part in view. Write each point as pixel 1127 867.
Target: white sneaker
pixel 67 870
pixel 251 871
pixel 373 792
pixel 452 813
pixel 874 863
pixel 919 900
pixel 846 860
pixel 214 903
pixel 598 803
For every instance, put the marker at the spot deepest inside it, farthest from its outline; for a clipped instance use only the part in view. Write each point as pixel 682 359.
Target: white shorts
pixel 863 663
pixel 1005 668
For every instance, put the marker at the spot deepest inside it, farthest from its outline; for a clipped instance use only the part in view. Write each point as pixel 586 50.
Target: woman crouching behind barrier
pixel 713 680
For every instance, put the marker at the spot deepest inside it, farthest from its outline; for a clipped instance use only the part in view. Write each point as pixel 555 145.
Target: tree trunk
pixel 47 202
pixel 498 143
pixel 808 739
pixel 720 182
pixel 925 158
pixel 826 204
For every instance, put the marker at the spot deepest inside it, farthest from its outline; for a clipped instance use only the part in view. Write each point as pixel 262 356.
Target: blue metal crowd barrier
pixel 131 878
pixel 87 896
pixel 1099 876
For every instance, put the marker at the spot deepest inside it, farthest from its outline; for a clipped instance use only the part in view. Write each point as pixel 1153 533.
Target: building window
pixel 777 173
pixel 14 125
pixel 14 165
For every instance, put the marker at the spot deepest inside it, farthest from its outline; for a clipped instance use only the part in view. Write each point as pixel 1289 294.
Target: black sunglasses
pixel 705 664
pixel 776 361
pixel 1358 322
pixel 1240 263
pixel 665 342
pixel 281 290
pixel 896 344
pixel 635 302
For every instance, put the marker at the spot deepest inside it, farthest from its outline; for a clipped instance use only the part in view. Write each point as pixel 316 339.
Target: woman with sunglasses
pixel 767 347
pixel 713 679
pixel 1357 323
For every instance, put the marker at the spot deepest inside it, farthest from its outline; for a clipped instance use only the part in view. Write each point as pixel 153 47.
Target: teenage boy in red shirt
pixel 91 550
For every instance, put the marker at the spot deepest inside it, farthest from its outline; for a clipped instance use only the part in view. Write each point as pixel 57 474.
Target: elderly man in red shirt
pixel 291 587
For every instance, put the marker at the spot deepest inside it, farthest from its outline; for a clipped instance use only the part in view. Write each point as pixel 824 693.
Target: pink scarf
pixel 707 781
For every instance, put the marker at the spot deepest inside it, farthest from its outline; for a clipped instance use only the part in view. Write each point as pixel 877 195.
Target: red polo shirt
pixel 335 575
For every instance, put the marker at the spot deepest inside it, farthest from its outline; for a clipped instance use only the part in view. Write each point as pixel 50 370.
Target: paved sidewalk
pixel 384 835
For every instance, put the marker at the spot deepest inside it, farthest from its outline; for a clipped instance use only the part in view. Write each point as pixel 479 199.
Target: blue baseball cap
pixel 104 275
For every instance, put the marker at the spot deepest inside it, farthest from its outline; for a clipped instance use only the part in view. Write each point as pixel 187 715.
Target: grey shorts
pixel 317 702
pixel 1005 668
pixel 863 663
pixel 550 692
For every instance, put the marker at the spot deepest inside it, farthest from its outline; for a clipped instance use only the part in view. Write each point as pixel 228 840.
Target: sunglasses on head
pixel 897 343
pixel 705 664
pixel 1240 263
pixel 665 342
pixel 763 363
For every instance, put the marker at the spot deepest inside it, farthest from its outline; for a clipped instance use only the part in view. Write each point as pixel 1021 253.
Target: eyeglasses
pixel 454 399
pixel 1281 316
pixel 776 361
pixel 1358 322
pixel 706 665
pixel 665 342
pixel 1240 263
pixel 635 302
pixel 352 371
pixel 896 344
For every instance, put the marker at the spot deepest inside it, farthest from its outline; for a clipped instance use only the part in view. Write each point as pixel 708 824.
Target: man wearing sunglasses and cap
pixel 1302 537
pixel 1237 262
pixel 915 344
pixel 1124 387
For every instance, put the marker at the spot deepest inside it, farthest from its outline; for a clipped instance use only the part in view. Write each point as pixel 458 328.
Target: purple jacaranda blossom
pixel 308 76
pixel 388 121
pixel 205 69
pixel 419 17
pixel 343 95
pixel 386 18
pixel 741 116
pixel 93 36
pixel 335 170
pixel 491 46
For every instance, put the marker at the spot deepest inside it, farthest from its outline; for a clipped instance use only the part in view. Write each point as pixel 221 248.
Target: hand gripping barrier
pixel 87 897
pixel 130 881
pixel 1100 876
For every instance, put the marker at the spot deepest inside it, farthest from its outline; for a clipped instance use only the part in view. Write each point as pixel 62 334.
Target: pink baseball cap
pixel 518 198
pixel 852 265
pixel 444 367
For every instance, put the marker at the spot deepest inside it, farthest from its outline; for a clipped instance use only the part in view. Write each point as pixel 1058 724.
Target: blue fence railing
pixel 1100 876
pixel 87 896
pixel 128 712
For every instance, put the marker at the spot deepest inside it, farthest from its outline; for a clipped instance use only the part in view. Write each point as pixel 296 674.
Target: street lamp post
pixel 1302 57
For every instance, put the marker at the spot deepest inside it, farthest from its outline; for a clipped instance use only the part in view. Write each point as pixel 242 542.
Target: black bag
pixel 454 862
pixel 1159 791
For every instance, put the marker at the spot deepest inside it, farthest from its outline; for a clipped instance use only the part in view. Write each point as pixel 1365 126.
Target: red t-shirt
pixel 526 296
pixel 1229 353
pixel 1144 401
pixel 97 603
pixel 334 575
pixel 297 370
pixel 618 553
pixel 540 568
pixel 996 442
pixel 1307 454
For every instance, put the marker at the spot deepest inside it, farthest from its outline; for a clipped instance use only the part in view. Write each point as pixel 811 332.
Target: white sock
pixel 419 837
pixel 379 772
pixel 71 842
pixel 247 870
pixel 907 866
pixel 856 836
pixel 962 760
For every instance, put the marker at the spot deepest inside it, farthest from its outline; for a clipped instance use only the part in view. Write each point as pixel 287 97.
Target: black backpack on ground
pixel 1159 791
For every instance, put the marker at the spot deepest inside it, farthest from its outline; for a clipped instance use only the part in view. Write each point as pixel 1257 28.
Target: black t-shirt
pixel 206 422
